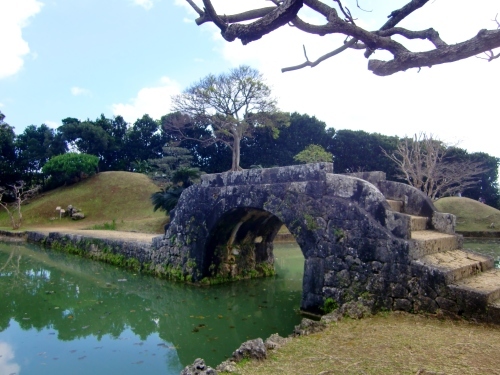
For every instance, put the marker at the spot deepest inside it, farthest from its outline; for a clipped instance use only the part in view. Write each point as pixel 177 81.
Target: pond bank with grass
pixel 387 343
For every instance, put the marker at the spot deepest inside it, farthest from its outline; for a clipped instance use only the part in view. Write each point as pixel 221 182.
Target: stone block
pixel 402 304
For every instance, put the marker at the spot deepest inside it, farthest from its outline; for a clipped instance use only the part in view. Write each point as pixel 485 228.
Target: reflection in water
pixel 61 311
pixel 6 357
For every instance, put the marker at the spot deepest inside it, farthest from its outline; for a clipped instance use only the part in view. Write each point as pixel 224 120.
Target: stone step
pixel 428 242
pixel 483 288
pixel 457 264
pixel 418 223
pixel 494 311
pixel 395 205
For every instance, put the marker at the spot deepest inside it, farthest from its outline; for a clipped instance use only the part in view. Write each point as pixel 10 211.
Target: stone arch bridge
pixel 365 240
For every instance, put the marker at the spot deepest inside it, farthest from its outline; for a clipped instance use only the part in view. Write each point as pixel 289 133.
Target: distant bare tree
pixel 426 164
pixel 338 19
pixel 21 194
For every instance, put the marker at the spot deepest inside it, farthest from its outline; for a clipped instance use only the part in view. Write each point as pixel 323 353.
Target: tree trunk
pixel 20 221
pixel 236 152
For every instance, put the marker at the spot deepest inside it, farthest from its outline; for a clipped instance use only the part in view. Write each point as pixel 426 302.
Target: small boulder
pixel 198 368
pixel 251 349
pixel 356 310
pixel 78 216
pixel 227 366
pixel 334 316
pixel 275 341
pixel 308 326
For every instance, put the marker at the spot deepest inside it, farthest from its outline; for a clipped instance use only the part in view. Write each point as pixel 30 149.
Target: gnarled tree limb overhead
pixel 338 20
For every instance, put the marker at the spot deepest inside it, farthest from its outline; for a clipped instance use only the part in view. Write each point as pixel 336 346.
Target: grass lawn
pixel 122 197
pixel 388 343
pixel 471 215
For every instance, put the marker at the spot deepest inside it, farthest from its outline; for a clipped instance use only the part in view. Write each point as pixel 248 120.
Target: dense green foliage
pixel 166 199
pixel 117 145
pixel 487 188
pixel 146 146
pixel 269 149
pixel 357 150
pixel 313 154
pixel 70 168
pixel 35 146
pixel 7 152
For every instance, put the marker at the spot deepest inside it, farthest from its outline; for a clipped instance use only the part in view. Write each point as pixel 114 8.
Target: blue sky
pixel 81 58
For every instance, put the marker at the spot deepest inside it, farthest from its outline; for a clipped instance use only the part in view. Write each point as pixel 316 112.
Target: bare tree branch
pixel 195 7
pixel 322 58
pixel 489 56
pixel 485 40
pixel 340 20
pixel 247 33
pixel 429 34
pixel 364 10
pixel 240 17
pixel 425 164
pixel 20 194
pixel 400 14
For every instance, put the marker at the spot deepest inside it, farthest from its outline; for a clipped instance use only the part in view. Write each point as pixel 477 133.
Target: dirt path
pixel 111 234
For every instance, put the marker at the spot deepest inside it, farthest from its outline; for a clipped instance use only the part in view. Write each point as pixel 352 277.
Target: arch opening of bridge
pixel 241 243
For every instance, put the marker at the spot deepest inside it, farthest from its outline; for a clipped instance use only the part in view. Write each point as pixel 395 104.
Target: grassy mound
pixel 471 215
pixel 108 199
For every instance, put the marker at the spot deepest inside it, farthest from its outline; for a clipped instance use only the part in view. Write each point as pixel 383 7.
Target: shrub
pixel 313 154
pixel 70 168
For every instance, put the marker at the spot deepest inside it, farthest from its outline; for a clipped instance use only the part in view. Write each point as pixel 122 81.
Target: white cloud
pixel 6 358
pixel 186 6
pixel 455 102
pixel 154 101
pixel 15 16
pixel 146 4
pixel 77 91
pixel 52 124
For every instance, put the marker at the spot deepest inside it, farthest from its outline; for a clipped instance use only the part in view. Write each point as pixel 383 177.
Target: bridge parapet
pixel 415 202
pixel 260 176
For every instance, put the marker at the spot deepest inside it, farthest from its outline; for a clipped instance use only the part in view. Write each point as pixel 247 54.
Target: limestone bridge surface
pixel 366 241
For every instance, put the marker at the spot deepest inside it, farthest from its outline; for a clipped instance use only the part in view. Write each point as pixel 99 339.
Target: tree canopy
pixel 35 146
pixel 357 150
pixel 231 105
pixel 338 18
pixel 7 152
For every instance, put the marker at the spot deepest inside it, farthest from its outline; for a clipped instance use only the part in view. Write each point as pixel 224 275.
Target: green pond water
pixel 61 314
pixel 489 247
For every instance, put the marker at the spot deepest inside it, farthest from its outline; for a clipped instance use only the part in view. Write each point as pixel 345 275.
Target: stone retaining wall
pixel 135 255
